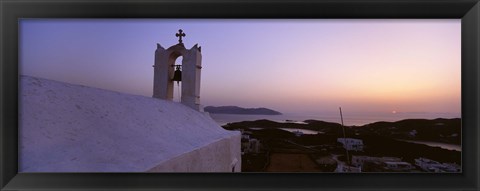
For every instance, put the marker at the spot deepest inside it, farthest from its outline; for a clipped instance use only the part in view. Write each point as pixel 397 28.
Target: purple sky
pixel 287 65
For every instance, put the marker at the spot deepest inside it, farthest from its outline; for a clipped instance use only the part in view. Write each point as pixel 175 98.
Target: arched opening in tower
pixel 177 85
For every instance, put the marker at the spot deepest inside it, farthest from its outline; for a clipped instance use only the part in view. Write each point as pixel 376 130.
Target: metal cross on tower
pixel 180 34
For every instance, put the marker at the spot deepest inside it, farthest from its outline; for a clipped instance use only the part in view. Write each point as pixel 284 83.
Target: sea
pixel 349 118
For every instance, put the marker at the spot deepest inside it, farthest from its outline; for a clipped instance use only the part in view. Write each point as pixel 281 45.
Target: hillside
pixel 436 130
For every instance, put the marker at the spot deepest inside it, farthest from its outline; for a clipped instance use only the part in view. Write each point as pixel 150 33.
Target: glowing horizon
pixel 287 65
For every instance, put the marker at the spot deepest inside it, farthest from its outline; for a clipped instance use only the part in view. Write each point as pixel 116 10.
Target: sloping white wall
pixel 72 128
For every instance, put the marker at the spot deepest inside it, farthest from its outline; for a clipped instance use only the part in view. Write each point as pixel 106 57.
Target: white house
pixel 361 160
pixel 346 168
pixel 434 166
pixel 253 146
pixel 413 133
pixel 297 133
pixel 398 166
pixel 250 145
pixel 351 144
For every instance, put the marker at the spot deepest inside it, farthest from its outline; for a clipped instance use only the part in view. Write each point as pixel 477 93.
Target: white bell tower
pixel 164 70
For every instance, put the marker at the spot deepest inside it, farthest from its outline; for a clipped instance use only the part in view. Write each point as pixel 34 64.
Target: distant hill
pixel 240 110
pixel 436 130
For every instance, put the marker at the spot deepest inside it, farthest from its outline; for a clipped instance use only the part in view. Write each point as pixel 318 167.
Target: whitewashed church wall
pixel 220 156
pixel 73 128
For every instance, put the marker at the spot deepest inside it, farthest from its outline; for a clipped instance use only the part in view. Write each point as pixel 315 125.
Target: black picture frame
pixel 466 10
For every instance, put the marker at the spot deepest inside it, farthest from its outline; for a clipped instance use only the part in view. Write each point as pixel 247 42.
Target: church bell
pixel 177 76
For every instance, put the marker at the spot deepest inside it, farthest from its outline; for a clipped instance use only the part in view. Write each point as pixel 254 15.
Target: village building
pixel 346 168
pixel 412 133
pixel 435 166
pixel 381 164
pixel 297 133
pixel 398 166
pixel 351 144
pixel 361 160
pixel 249 144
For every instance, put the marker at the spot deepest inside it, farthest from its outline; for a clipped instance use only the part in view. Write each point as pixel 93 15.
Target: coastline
pixel 265 144
pixel 350 119
pixel 439 132
pixel 447 146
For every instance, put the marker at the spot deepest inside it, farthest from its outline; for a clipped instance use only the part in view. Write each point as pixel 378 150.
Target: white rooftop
pixel 72 128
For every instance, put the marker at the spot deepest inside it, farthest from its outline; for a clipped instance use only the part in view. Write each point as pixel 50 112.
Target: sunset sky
pixel 286 65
